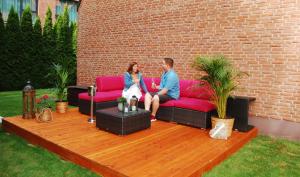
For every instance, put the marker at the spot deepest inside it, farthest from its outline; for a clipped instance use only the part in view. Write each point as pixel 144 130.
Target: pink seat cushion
pixel 194 104
pixel 169 103
pixel 193 89
pixel 142 99
pixel 148 82
pixel 108 83
pixel 102 96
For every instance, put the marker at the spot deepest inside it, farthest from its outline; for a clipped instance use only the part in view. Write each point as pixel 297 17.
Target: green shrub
pixel 27 61
pixel 28 54
pixel 13 65
pixel 2 49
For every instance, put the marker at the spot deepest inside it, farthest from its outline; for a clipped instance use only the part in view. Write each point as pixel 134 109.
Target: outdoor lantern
pixel 133 103
pixel 28 101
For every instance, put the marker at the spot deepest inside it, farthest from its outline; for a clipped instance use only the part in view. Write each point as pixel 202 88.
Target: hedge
pixel 28 53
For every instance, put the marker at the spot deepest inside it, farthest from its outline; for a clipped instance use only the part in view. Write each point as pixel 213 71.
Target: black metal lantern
pixel 28 101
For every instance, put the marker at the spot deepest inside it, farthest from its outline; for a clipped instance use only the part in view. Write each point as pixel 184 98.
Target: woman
pixel 133 82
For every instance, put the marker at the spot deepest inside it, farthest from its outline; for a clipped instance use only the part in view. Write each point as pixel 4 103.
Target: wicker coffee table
pixel 114 121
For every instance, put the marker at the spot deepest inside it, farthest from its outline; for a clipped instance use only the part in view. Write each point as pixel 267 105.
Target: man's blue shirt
pixel 170 81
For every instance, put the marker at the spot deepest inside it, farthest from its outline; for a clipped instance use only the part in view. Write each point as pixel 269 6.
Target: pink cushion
pixel 102 96
pixel 193 89
pixel 142 99
pixel 108 83
pixel 194 104
pixel 169 103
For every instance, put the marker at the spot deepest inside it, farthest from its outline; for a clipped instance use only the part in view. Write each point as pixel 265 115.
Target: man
pixel 168 88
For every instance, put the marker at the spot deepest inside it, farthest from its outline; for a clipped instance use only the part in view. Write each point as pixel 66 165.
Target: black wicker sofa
pixel 193 108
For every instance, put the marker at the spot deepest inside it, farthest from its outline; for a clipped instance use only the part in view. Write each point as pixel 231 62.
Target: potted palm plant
pixel 221 77
pixel 62 79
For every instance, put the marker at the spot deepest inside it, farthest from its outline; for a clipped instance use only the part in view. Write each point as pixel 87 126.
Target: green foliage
pixel 61 83
pixel 65 55
pixel 121 100
pixel 74 37
pixel 43 102
pixel 49 47
pixel 40 68
pixel 48 30
pixel 12 66
pixel 221 77
pixel 2 49
pixel 28 50
pixel 28 54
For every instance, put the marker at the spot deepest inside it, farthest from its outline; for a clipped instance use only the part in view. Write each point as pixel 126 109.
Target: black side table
pixel 238 107
pixel 73 92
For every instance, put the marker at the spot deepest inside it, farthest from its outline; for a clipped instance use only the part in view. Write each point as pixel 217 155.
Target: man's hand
pixel 154 86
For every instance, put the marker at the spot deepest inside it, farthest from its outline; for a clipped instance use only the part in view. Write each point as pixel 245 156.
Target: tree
pixel 64 48
pixel 37 73
pixel 73 76
pixel 13 53
pixel 2 50
pixel 49 47
pixel 27 43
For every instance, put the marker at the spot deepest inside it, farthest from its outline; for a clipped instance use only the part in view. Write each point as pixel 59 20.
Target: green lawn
pixel 262 157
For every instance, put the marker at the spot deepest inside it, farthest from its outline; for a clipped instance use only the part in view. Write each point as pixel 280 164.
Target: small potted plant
pixel 44 105
pixel 221 77
pixel 62 79
pixel 121 103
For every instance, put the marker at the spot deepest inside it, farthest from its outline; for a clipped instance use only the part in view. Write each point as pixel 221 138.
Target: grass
pixel 18 158
pixel 11 102
pixel 262 157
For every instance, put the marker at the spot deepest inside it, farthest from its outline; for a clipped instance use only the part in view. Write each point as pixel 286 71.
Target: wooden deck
pixel 166 149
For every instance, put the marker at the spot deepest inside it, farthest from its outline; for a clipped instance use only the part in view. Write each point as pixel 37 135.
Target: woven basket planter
pixel 228 124
pixel 45 115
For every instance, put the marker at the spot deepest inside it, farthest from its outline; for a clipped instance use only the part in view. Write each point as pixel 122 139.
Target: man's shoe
pixel 153 118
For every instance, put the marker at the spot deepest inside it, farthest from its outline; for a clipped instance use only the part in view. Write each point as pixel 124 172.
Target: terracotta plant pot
pixel 61 107
pixel 228 124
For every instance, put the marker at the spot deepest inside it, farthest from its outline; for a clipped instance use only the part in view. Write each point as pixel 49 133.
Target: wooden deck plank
pixel 165 149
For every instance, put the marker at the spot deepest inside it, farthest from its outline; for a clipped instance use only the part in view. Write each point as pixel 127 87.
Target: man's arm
pixel 163 91
pixel 171 81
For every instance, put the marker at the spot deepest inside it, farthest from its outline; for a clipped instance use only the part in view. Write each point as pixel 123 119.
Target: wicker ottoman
pixel 111 120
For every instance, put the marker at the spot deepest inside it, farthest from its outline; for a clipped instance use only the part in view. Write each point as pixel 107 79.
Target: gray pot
pixel 121 107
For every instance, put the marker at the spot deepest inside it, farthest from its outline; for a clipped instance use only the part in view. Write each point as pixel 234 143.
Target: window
pixel 72 6
pixel 19 6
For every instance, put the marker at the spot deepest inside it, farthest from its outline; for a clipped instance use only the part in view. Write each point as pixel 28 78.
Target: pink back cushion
pixel 108 83
pixel 193 89
pixel 148 82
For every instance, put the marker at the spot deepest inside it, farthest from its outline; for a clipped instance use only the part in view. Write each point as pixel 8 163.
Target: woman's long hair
pixel 130 67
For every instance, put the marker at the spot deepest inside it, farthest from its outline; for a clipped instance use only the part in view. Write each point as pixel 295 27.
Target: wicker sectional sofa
pixel 193 108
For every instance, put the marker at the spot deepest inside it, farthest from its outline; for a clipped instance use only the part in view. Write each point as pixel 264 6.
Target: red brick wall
pixel 260 37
